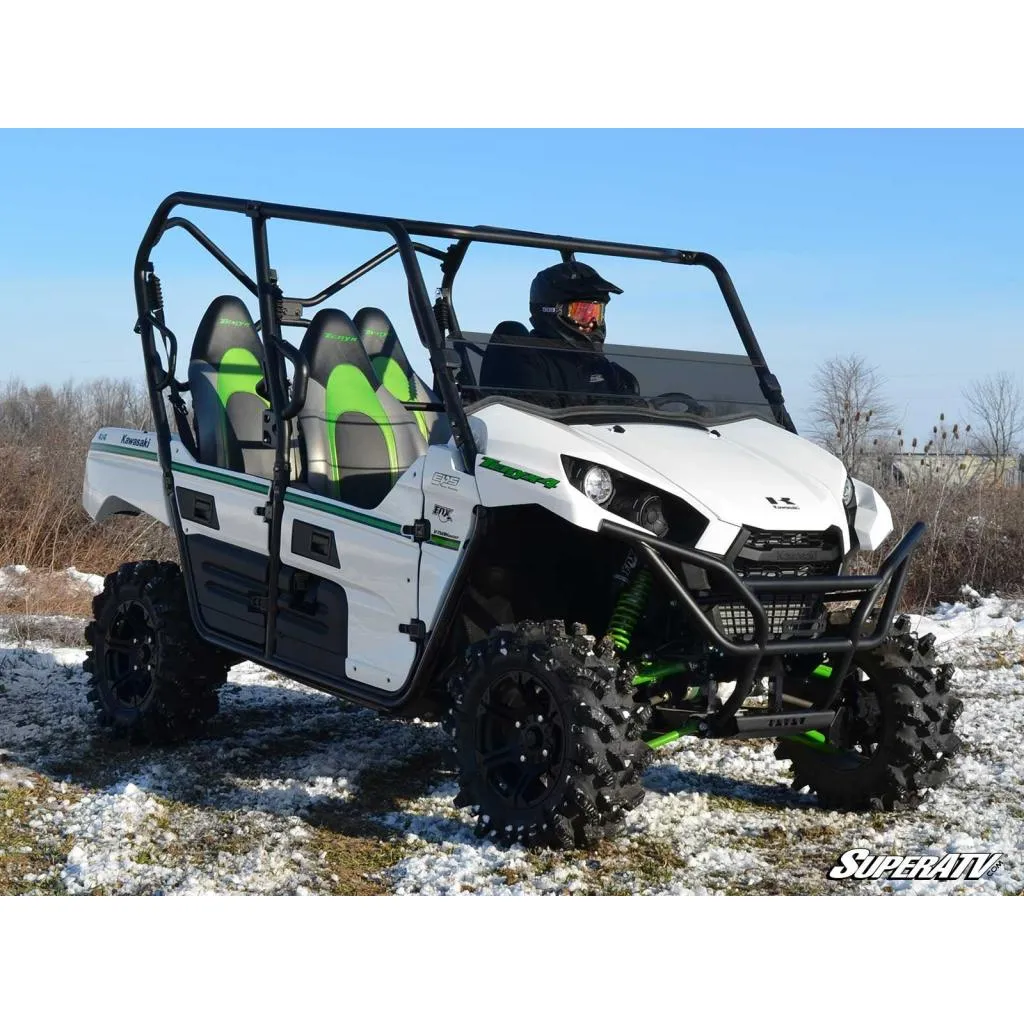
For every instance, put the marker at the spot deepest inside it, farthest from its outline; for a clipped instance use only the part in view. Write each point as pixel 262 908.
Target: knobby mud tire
pixel 176 691
pixel 593 778
pixel 915 743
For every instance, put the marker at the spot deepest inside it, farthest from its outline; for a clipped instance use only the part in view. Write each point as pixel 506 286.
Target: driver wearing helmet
pixel 566 365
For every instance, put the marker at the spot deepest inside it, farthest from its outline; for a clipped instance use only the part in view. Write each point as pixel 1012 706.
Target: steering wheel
pixel 670 398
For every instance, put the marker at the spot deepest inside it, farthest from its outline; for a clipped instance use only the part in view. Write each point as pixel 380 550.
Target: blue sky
pixel 904 246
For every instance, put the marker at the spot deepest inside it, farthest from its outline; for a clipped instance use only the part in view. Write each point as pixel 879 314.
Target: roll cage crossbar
pixel 435 324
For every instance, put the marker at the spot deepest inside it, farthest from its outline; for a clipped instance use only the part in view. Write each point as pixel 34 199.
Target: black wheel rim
pixel 858 728
pixel 130 649
pixel 520 739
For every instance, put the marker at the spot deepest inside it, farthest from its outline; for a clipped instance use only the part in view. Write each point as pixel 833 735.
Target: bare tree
pixel 851 415
pixel 997 404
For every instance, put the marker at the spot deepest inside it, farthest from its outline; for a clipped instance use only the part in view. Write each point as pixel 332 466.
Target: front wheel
pixel 151 676
pixel 547 737
pixel 893 736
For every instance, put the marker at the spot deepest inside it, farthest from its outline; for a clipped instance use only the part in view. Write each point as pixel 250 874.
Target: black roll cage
pixel 436 324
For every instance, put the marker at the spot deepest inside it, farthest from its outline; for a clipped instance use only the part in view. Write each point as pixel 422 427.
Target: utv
pixel 568 585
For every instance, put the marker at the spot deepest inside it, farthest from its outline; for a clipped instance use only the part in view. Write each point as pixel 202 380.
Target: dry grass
pixel 44 438
pixel 46 593
pixel 975 536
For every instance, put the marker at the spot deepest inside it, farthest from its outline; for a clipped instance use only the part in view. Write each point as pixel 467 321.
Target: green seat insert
pixel 357 439
pixel 225 368
pixel 392 366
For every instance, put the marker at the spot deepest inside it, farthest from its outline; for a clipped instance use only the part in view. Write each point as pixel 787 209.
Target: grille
pixel 782 554
pixel 787 617
pixel 788 555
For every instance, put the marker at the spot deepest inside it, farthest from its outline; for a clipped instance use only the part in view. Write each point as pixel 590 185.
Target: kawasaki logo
pixel 135 442
pixel 514 473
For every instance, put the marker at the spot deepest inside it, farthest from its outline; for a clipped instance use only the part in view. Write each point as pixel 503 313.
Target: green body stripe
pixel 183 467
pixel 116 449
pixel 342 513
pixel 393 377
pixel 445 542
pixel 221 478
pixel 348 390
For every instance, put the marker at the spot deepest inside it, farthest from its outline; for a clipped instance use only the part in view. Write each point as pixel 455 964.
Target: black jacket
pixel 553 373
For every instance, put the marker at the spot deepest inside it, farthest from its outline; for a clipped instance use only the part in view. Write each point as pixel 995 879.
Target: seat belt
pixel 180 411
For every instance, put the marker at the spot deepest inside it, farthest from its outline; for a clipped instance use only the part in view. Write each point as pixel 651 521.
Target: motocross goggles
pixel 584 314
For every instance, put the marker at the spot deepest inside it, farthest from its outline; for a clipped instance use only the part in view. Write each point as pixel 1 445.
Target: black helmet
pixel 556 288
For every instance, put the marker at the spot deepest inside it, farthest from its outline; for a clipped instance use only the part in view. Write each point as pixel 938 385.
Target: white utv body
pixel 569 581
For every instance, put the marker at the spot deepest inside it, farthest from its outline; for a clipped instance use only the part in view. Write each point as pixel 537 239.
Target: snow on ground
pixel 89 580
pixel 12 577
pixel 291 791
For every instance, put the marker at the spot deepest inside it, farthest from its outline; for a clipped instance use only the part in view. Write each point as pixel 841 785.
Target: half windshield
pixel 552 375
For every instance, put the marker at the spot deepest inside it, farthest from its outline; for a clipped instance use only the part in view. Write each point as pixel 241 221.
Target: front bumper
pixel 879 594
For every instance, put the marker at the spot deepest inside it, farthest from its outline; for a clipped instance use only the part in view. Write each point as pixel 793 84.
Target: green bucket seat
pixel 223 373
pixel 357 438
pixel 392 365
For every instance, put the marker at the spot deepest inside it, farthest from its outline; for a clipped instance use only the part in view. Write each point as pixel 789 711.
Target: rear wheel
pixel 547 736
pixel 151 676
pixel 893 736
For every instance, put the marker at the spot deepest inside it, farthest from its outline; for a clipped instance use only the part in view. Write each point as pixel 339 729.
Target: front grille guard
pixel 868 591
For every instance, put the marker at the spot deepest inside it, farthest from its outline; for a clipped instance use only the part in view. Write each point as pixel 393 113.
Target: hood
pixel 748 473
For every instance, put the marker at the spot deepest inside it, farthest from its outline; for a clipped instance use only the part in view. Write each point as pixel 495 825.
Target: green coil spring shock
pixel 629 608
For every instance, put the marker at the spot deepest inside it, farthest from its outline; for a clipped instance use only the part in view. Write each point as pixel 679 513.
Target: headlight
pixel 849 494
pixel 636 501
pixel 597 484
pixel 645 510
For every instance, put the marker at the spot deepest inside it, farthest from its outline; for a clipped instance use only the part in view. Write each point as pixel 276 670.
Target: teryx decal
pixel 514 473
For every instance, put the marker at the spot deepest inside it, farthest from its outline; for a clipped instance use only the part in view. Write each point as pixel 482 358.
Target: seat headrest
pixel 332 340
pixel 225 325
pixel 510 329
pixel 378 336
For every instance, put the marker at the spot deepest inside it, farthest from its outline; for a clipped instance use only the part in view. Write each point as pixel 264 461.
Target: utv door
pixel 219 492
pixel 348 585
pixel 227 544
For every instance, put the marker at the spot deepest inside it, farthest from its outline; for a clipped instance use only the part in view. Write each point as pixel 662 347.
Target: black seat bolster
pixel 225 371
